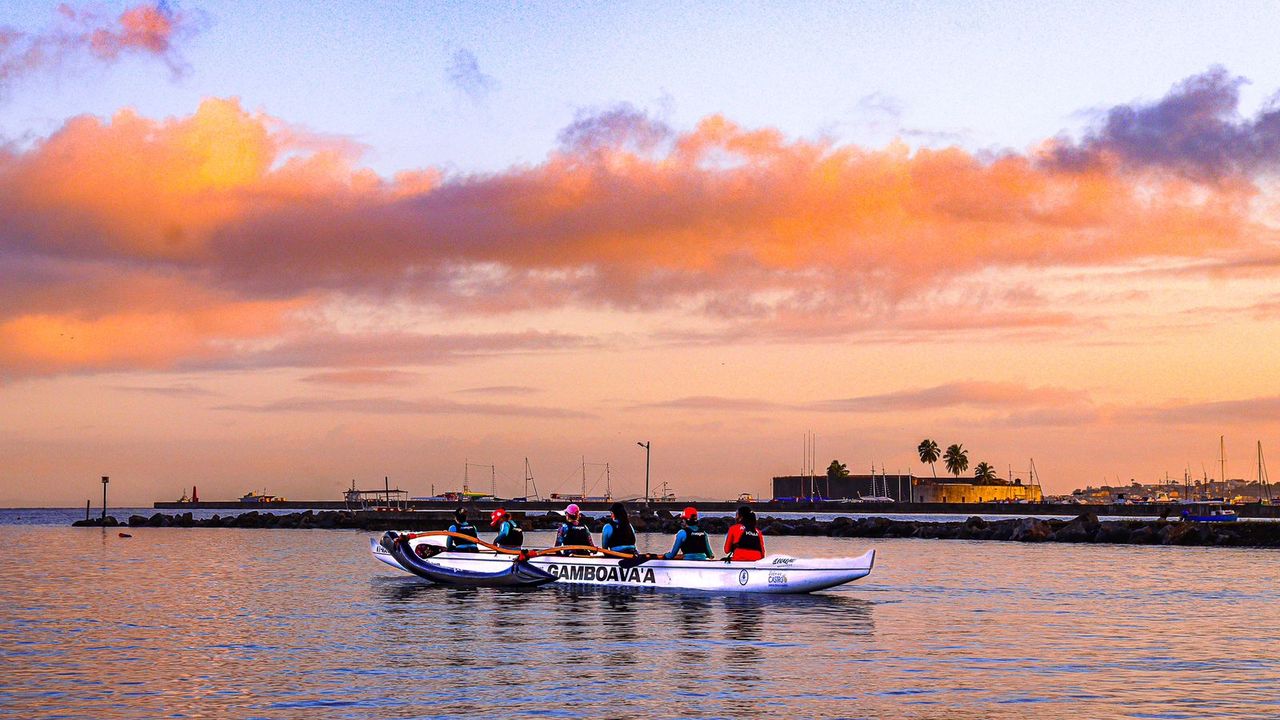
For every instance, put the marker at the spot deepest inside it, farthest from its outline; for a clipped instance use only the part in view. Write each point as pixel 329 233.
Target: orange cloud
pixel 247 220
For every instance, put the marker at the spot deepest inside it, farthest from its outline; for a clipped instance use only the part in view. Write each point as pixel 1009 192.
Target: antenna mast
pixel 1222 458
pixel 528 478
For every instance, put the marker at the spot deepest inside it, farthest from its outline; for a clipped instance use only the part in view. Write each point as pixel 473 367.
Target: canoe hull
pixel 776 574
pixel 505 574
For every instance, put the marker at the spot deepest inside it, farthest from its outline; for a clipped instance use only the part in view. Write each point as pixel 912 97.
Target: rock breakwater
pixel 1083 529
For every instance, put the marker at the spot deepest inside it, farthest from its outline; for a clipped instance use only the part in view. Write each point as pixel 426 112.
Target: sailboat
pixel 1264 482
pixel 1214 510
pixel 874 498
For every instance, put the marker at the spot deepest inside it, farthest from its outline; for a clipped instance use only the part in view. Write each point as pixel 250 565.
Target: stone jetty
pixel 1084 529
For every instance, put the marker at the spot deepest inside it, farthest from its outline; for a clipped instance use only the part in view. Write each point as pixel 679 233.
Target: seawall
pixel 1086 528
pixel 1252 510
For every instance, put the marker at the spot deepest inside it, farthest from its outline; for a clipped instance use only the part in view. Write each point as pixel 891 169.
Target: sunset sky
pixel 287 245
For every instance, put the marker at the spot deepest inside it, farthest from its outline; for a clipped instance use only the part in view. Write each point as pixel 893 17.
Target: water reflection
pixel 941 629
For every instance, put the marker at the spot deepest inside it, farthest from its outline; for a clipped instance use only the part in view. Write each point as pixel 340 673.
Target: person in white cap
pixel 572 531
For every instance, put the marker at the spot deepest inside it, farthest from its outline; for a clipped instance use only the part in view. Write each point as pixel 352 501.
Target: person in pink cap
pixel 572 531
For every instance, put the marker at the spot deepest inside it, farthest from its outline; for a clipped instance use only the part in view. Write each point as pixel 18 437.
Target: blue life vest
pixel 459 545
pixel 621 535
pixel 511 534
pixel 576 534
pixel 695 542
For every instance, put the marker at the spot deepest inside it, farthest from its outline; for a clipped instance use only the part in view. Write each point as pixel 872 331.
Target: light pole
pixel 105 480
pixel 645 445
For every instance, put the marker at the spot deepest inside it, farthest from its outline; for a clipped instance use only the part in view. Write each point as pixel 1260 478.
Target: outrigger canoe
pixel 777 574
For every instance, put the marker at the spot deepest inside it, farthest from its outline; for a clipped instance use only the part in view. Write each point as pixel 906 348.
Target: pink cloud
pixel 149 29
pixel 228 226
pixel 362 376
pixel 1263 410
pixel 394 406
pixel 999 395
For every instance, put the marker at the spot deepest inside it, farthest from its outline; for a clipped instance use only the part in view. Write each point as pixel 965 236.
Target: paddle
pixel 406 537
pixel 637 560
pixel 578 548
pixel 525 554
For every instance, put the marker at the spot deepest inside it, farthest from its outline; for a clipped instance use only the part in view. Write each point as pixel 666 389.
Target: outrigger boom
pixel 425 555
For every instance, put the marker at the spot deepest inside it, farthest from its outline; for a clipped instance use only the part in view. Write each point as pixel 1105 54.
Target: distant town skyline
pixel 286 246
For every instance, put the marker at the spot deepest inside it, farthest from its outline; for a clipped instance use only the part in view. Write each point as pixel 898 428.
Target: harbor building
pixel 903 488
pixel 963 492
pixel 851 487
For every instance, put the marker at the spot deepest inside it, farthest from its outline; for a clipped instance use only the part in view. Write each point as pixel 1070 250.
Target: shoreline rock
pixel 1083 529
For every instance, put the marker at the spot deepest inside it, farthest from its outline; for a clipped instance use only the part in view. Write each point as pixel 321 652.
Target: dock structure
pixel 385 498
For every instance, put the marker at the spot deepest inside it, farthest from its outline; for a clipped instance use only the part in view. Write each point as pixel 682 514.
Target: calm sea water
pixel 294 623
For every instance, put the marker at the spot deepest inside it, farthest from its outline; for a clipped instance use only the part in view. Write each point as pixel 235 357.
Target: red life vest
pixel 745 544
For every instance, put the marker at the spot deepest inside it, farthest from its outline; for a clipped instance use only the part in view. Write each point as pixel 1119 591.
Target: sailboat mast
pixel 1222 459
pixel 1264 486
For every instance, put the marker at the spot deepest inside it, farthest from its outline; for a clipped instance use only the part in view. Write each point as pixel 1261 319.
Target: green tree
pixel 984 474
pixel 956 459
pixel 928 450
pixel 837 470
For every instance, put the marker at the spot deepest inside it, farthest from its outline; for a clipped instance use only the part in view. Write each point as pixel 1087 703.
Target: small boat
pixel 253 498
pixel 1208 512
pixel 423 554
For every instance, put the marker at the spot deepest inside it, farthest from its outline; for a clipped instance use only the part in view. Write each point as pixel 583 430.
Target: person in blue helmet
pixel 462 526
pixel 691 542
pixel 510 535
pixel 617 534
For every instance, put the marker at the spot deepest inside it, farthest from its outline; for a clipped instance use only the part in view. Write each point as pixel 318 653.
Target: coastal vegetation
pixel 837 470
pixel 928 451
pixel 956 459
pixel 984 474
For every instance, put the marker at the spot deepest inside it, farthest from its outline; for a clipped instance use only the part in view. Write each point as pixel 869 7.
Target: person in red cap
pixel 509 533
pixel 691 541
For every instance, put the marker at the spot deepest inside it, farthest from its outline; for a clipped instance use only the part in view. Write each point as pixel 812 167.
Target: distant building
pixel 851 487
pixel 962 492
pixel 902 488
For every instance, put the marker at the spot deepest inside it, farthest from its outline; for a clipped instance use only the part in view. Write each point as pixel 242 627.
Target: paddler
pixel 572 531
pixel 463 527
pixel 745 542
pixel 691 541
pixel 617 534
pixel 509 533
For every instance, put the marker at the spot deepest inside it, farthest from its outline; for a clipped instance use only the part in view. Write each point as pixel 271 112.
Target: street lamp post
pixel 645 445
pixel 105 480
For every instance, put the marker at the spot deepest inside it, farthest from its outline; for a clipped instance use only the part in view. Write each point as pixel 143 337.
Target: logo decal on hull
pixel 742 578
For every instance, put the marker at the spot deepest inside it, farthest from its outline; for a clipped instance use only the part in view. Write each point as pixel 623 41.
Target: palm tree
pixel 928 450
pixel 984 474
pixel 956 459
pixel 837 470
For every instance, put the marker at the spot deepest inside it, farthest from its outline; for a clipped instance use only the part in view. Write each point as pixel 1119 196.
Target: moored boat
pixel 775 574
pixel 1208 512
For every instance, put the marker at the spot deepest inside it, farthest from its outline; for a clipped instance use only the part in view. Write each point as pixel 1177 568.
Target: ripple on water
pixel 239 623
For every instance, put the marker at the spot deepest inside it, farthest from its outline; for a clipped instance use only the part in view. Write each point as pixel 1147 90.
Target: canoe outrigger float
pixel 424 555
